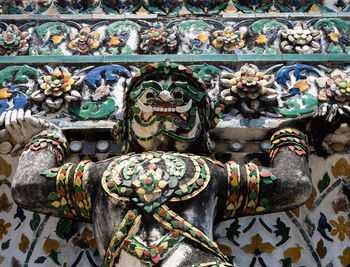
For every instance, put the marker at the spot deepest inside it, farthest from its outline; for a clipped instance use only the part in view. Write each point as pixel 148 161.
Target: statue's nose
pixel 165 96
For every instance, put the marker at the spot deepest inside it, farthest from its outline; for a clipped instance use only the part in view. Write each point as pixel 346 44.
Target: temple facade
pixel 175 133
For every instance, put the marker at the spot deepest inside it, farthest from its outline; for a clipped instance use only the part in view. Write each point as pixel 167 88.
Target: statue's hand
pixel 17 127
pixel 333 113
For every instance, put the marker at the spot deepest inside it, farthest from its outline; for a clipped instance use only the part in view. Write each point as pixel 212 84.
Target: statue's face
pixel 165 115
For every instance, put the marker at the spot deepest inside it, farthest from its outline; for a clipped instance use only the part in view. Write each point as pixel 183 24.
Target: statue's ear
pixel 213 113
pixel 121 136
pixel 118 131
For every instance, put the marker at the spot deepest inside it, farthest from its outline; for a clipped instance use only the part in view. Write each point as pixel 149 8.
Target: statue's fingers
pixel 332 112
pixel 4 135
pixel 346 109
pixel 20 116
pixel 30 119
pixel 324 109
pixel 8 119
pixel 2 119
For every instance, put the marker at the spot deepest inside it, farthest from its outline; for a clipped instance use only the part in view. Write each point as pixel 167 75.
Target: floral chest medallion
pixel 150 179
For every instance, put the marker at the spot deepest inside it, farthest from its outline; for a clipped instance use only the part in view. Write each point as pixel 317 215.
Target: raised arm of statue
pixel 41 182
pixel 285 185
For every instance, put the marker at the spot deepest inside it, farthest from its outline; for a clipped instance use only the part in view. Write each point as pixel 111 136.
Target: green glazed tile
pixel 7 59
pixel 308 57
pixel 81 59
pixel 339 57
pixel 213 58
pixel 36 59
pixel 275 57
pixel 147 58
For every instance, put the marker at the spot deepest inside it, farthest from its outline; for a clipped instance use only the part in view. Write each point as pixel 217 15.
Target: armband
pixel 41 141
pixel 294 139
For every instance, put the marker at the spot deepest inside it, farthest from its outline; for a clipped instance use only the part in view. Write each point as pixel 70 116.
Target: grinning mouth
pixel 179 113
pixel 165 107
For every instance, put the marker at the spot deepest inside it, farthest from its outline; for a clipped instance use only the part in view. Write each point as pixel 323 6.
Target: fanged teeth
pixel 185 108
pixel 143 107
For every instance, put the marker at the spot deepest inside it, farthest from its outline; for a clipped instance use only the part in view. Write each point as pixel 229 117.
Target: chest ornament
pixel 150 179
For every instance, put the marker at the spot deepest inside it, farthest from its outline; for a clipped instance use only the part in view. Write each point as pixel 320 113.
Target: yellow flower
pixel 3 228
pixel 293 253
pixel 341 228
pixel 57 39
pixel 50 244
pixel 334 37
pixel 257 247
pixel 341 168
pixel 113 41
pixel 24 245
pixel 262 39
pixel 345 258
pixel 83 241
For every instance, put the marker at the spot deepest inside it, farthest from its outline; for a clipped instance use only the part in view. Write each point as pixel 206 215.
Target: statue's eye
pixel 178 95
pixel 149 95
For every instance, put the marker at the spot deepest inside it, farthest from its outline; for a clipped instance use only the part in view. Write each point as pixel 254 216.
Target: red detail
pixel 61 192
pixel 199 233
pixel 63 171
pixel 60 140
pixel 219 163
pixel 152 166
pixel 252 167
pixel 113 164
pixel 213 124
pixel 162 213
pixel 222 106
pixel 127 243
pixel 284 139
pixel 275 152
pixel 153 246
pixel 79 173
pixel 148 67
pixel 70 215
pixel 198 182
pixel 234 175
pixel 189 71
pixel 277 133
pixel 131 215
pixel 181 224
pixel 43 145
pixel 110 184
pixel 79 196
pixel 149 180
pixel 249 211
pixel 291 148
pixel 201 162
pixel 204 86
pixel 147 253
pixel 301 152
pixel 156 258
pixel 133 78
pixel 233 198
pixel 253 186
pixel 296 132
pixel 175 234
pixel 54 143
pixel 160 250
pixel 264 174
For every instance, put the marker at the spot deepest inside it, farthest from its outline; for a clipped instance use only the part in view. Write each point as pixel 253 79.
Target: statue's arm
pixel 42 183
pixel 286 184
